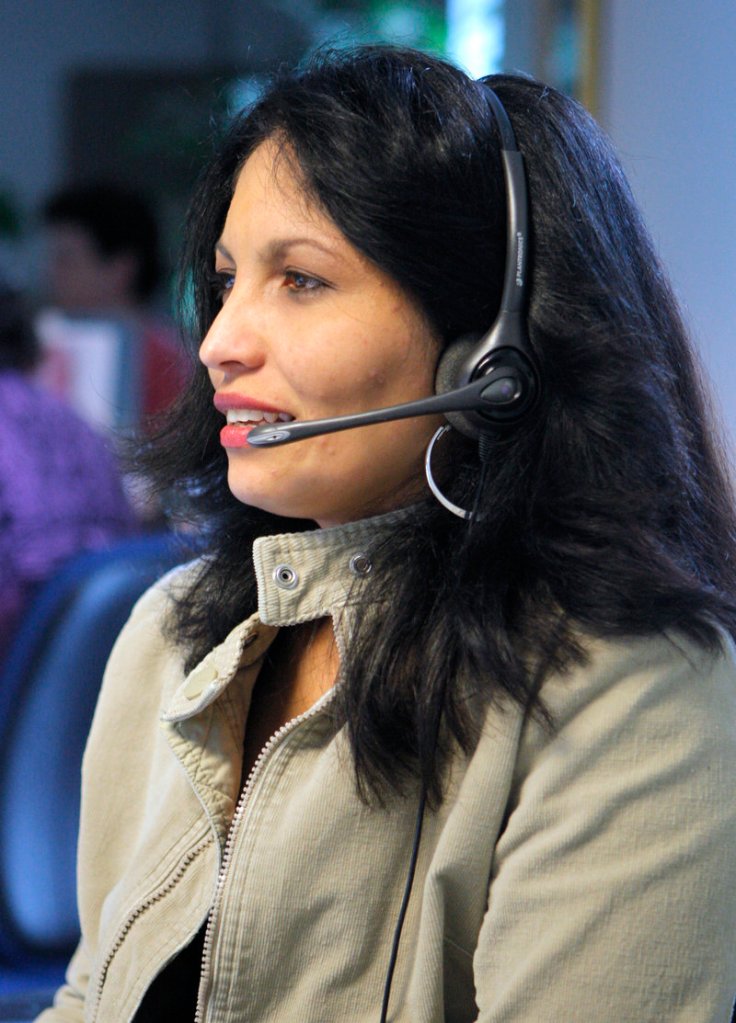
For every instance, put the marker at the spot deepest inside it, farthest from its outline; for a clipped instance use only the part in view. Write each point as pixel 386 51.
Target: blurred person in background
pixel 60 490
pixel 103 259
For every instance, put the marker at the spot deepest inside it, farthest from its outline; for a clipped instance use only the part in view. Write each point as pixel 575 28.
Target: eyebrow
pixel 219 247
pixel 277 248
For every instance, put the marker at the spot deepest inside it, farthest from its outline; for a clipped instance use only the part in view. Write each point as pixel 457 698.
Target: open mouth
pixel 253 416
pixel 240 421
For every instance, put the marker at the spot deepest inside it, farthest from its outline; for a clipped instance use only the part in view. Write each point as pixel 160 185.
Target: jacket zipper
pixel 276 739
pixel 151 900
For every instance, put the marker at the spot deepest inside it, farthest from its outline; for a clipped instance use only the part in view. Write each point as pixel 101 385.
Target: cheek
pixel 378 376
pixel 217 377
pixel 394 361
pixel 331 379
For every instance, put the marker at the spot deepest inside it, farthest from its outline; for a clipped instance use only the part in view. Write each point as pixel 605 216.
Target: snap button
pixel 203 676
pixel 285 577
pixel 360 564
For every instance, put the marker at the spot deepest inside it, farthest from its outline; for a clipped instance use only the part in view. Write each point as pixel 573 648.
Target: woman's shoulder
pixel 661 692
pixel 146 662
pixel 146 634
pixel 665 667
pixel 639 743
pixel 672 655
pixel 173 586
pixel 170 587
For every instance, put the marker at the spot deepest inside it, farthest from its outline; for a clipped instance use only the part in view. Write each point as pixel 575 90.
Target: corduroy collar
pixel 304 576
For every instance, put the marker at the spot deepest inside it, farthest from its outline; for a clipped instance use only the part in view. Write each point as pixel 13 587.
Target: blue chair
pixel 48 689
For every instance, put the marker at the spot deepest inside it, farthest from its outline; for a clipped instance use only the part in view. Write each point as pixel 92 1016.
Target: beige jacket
pixel 586 874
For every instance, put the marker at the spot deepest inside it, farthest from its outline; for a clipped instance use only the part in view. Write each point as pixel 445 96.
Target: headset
pixel 482 384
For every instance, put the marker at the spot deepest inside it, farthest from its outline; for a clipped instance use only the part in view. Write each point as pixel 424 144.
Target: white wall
pixel 668 100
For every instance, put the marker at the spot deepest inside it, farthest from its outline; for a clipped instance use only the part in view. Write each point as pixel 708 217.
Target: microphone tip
pixel 262 436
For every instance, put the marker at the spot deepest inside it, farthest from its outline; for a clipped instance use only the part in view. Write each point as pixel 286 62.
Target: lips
pixel 242 414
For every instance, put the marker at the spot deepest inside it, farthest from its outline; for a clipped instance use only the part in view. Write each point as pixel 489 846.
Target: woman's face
pixel 309 328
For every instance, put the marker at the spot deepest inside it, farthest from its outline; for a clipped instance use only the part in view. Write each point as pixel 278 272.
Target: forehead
pixel 270 189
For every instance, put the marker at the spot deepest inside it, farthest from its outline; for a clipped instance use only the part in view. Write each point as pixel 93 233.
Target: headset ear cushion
pixel 448 378
pixel 451 362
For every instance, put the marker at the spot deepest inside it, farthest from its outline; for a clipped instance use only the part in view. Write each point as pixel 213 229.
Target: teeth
pixel 252 415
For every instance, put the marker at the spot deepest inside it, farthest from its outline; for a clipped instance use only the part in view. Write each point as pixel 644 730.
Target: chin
pixel 272 503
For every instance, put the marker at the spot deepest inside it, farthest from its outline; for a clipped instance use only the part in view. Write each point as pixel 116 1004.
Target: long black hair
pixel 607 512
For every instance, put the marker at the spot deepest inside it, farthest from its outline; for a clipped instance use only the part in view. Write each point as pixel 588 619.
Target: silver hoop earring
pixel 444 501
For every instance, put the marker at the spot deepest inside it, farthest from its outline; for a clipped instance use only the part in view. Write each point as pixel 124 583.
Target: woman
pixel 553 676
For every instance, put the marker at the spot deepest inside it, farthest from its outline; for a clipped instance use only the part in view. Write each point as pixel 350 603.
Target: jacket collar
pixel 304 576
pixel 301 577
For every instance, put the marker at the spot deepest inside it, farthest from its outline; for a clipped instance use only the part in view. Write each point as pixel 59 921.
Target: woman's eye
pixel 301 282
pixel 222 284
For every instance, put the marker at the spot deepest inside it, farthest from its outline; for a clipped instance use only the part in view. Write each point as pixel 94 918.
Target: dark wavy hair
pixel 607 512
pixel 117 220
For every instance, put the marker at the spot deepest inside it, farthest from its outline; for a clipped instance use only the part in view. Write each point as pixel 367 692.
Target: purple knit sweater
pixel 60 492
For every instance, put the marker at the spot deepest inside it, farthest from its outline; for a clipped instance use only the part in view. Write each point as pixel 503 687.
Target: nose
pixel 233 342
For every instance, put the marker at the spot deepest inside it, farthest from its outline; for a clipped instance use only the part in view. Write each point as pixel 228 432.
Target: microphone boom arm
pixel 484 392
